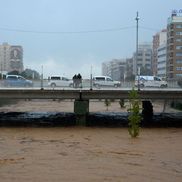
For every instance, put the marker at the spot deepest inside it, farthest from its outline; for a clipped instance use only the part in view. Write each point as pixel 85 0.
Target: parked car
pixel 60 81
pixel 17 81
pixel 105 81
pixel 150 81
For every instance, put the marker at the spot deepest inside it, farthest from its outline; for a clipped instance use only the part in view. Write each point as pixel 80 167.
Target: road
pixel 86 86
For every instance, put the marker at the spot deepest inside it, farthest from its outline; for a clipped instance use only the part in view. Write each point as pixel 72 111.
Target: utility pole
pixel 137 69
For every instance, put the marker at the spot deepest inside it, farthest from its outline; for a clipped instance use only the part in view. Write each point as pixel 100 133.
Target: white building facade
pixel 144 58
pixel 11 58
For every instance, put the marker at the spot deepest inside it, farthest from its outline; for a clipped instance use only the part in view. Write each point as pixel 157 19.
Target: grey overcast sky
pixel 70 36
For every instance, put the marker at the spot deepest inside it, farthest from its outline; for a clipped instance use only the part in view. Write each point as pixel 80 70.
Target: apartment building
pixel 115 69
pixel 174 46
pixel 11 58
pixel 159 39
pixel 144 58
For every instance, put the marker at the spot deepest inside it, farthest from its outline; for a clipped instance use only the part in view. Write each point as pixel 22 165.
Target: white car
pixel 59 81
pixel 105 81
pixel 150 81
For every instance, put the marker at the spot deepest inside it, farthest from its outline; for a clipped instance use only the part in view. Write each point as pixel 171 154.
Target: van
pixel 105 81
pixel 150 81
pixel 17 81
pixel 59 81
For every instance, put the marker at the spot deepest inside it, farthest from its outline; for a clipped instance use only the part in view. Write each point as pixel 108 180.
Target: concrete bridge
pixel 82 96
pixel 86 94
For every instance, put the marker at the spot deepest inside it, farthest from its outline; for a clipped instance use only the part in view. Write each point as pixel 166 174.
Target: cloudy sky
pixel 71 36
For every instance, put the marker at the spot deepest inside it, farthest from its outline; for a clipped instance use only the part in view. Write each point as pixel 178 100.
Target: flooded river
pixel 87 154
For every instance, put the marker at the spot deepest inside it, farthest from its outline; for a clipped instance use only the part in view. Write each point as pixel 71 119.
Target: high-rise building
pixel 174 46
pixel 129 67
pixel 11 58
pixel 159 39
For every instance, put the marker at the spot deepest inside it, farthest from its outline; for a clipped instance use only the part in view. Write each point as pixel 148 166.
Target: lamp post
pixel 137 69
pixel 42 87
pixel 91 78
pixel 1 71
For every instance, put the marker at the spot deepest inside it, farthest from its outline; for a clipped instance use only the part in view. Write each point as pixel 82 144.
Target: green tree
pixel 145 71
pixel 14 72
pixel 130 77
pixel 134 113
pixel 30 74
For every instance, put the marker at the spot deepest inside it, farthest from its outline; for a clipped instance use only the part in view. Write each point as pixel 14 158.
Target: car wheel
pixel 71 85
pixel 142 85
pixel 97 85
pixel 53 85
pixel 163 86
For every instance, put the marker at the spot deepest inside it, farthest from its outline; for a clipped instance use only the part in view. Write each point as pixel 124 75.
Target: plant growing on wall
pixel 134 113
pixel 107 103
pixel 121 103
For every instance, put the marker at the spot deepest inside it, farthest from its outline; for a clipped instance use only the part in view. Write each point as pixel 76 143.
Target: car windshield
pixel 21 78
pixel 55 78
pixel 109 79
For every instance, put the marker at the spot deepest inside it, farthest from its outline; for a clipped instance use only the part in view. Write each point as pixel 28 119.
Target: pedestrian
pixel 79 77
pixel 74 81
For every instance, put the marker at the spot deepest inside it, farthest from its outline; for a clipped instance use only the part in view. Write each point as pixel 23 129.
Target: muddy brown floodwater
pixel 84 154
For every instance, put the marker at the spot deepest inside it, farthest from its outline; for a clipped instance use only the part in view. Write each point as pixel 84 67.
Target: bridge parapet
pixel 161 94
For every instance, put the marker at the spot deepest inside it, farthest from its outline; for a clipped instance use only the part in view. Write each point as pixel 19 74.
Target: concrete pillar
pixel 81 109
pixel 147 111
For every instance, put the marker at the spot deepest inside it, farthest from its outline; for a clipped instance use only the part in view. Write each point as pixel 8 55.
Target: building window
pixel 179 61
pixel 179 26
pixel 178 75
pixel 162 55
pixel 178 68
pixel 178 40
pixel 162 49
pixel 147 54
pixel 178 33
pixel 178 47
pixel 179 54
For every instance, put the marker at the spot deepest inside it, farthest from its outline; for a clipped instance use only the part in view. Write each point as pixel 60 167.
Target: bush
pixel 134 113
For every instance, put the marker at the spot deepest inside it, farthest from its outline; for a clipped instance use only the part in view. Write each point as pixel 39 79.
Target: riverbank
pixel 38 105
pixel 60 113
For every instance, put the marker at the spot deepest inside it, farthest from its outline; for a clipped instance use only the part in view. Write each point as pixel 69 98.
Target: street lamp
pixel 91 78
pixel 137 69
pixel 42 87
